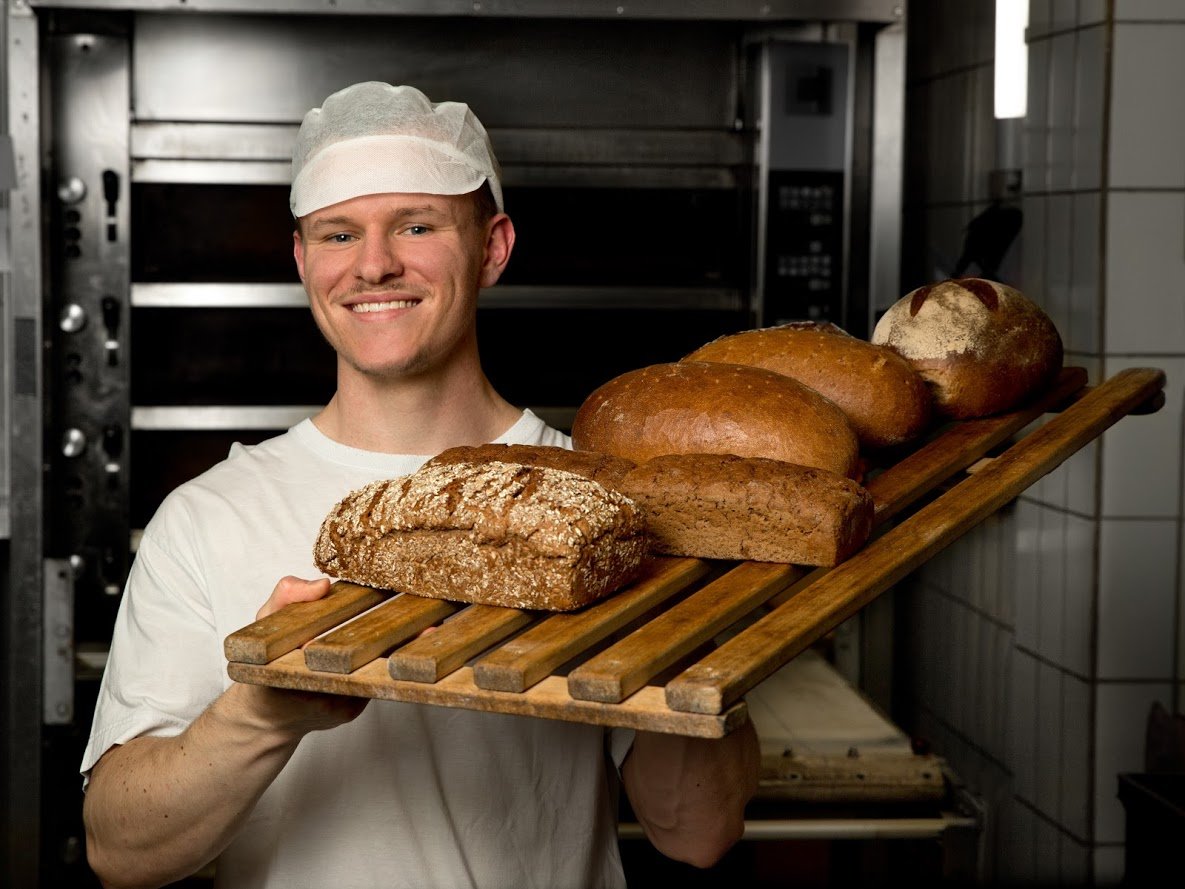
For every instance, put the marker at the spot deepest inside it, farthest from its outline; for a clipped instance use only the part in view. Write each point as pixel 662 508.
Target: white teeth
pixel 382 307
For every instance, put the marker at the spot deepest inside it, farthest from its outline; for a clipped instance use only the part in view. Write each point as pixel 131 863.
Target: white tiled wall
pixel 1145 280
pixel 1137 607
pixel 1076 593
pixel 1149 69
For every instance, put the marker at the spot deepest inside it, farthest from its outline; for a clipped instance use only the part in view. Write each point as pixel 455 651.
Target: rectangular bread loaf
pixel 493 533
pixel 603 468
pixel 720 506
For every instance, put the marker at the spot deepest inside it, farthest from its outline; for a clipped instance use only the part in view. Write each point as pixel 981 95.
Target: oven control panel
pixel 804 271
pixel 804 153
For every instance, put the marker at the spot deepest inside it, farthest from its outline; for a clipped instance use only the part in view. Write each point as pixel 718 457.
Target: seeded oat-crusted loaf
pixel 603 468
pixel 720 506
pixel 493 533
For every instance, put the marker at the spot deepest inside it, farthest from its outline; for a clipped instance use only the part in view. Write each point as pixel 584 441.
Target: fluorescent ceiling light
pixel 1012 58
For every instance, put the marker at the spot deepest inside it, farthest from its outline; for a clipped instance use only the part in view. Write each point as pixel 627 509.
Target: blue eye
pixel 417 229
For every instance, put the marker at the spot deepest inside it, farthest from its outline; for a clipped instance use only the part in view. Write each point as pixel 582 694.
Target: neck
pixel 421 415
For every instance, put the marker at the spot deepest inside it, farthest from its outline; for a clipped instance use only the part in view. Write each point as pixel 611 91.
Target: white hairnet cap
pixel 373 138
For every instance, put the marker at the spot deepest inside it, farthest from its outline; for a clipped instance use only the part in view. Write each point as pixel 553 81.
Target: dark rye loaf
pixel 726 507
pixel 492 533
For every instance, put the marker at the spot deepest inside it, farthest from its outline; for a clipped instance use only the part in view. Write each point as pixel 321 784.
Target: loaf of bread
pixel 982 346
pixel 725 507
pixel 886 400
pixel 699 407
pixel 603 468
pixel 491 533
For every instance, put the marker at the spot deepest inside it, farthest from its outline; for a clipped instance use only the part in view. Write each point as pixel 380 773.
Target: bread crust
pixel 885 398
pixel 603 468
pixel 492 533
pixel 982 346
pixel 705 407
pixel 719 506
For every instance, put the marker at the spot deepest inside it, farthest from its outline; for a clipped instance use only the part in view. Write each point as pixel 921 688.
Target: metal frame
pixel 22 681
pixel 736 10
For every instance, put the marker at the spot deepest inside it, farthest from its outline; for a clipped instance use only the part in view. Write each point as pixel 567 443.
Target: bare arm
pixel 158 809
pixel 690 793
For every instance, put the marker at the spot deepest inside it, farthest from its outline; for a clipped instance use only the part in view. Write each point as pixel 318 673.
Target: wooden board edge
pixel 645 710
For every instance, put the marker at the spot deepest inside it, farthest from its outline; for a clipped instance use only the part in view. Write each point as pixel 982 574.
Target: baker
pixel 399 224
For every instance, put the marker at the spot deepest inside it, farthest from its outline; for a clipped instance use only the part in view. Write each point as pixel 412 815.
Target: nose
pixel 377 259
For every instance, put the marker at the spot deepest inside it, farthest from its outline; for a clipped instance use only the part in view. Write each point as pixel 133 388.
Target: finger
pixel 293 589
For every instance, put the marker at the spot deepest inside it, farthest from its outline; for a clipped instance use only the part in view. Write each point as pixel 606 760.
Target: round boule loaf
pixel 886 400
pixel 983 347
pixel 692 407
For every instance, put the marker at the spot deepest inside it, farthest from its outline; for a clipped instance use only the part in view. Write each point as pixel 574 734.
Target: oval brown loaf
pixel 701 407
pixel 983 347
pixel 884 397
pixel 491 533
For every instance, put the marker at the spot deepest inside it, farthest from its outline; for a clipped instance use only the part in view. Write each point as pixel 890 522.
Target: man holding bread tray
pixel 399 224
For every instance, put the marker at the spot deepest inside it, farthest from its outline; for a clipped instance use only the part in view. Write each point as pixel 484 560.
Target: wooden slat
pixel 960 445
pixel 295 624
pixel 722 677
pixel 375 633
pixel 623 668
pixel 555 640
pixel 454 642
pixel 548 699
pixel 636 660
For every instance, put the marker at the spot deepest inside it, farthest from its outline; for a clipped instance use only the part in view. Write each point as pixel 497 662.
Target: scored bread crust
pixel 719 506
pixel 492 533
pixel 703 407
pixel 887 400
pixel 982 346
pixel 603 468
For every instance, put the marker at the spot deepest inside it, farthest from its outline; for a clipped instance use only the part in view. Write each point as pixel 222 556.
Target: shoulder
pixel 532 430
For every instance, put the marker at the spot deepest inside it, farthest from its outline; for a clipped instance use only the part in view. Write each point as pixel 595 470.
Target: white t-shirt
pixel 405 795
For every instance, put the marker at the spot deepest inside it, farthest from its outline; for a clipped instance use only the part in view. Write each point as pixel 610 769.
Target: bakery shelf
pixel 647 657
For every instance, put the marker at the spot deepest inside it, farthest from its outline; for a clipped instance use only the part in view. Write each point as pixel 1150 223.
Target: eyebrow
pixel 318 222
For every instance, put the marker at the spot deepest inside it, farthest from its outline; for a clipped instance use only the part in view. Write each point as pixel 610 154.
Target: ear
pixel 298 253
pixel 499 244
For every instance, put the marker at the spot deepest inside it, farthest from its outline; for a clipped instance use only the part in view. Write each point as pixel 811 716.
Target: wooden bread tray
pixel 644 657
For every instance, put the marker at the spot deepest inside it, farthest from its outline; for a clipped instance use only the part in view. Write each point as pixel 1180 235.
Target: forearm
pixel 689 794
pixel 158 809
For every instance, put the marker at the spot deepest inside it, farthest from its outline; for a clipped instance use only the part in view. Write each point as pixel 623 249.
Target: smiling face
pixel 393 279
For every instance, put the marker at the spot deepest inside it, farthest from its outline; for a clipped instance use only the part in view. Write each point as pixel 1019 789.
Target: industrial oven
pixel 676 170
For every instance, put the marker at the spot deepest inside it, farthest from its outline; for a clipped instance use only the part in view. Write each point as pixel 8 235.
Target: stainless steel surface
pixel 272 417
pixel 522 74
pixel 252 142
pixel 748 10
pixel 225 417
pixel 20 651
pixel 838 828
pixel 888 137
pixel 57 647
pixel 216 295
